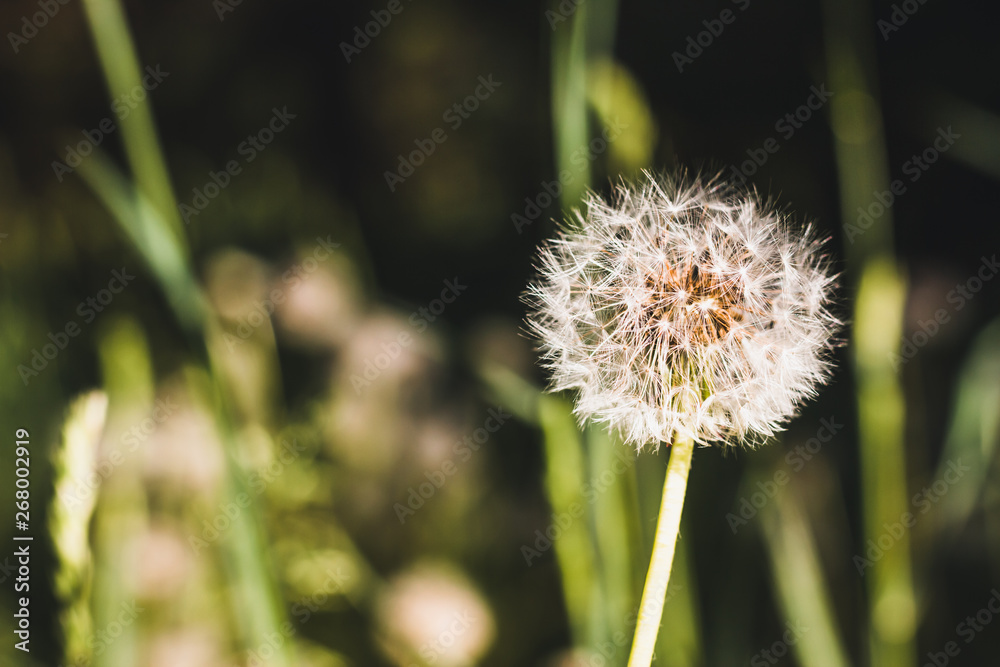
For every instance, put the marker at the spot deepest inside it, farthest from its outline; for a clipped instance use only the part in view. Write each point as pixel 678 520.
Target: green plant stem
pixel 860 149
pixel 801 586
pixel 147 211
pixel 667 526
pixel 564 482
pixel 121 68
pixel 571 128
pixel 878 329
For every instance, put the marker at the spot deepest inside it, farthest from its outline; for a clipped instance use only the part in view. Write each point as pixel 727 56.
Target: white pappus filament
pixel 684 307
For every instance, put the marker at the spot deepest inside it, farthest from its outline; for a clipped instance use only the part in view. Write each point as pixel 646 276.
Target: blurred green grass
pixel 327 509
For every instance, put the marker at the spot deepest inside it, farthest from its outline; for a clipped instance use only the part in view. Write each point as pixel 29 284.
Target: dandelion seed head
pixel 684 307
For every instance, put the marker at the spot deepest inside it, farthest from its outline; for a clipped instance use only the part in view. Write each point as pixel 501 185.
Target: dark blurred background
pixel 471 213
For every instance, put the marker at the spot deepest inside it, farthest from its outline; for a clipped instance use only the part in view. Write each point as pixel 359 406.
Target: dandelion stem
pixel 667 526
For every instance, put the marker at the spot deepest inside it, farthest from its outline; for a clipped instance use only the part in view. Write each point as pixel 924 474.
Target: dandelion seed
pixel 683 311
pixel 684 308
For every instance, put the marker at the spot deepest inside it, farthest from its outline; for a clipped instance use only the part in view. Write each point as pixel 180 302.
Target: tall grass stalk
pixel 878 316
pixel 123 73
pixel 973 435
pixel 123 509
pixel 69 522
pixel 613 526
pixel 147 212
pixel 802 588
pixel 574 551
pixel 571 129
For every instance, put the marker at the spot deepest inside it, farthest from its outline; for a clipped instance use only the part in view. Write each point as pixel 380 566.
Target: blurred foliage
pixel 325 438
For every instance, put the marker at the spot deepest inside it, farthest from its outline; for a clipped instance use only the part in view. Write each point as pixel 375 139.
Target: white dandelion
pixel 683 312
pixel 684 309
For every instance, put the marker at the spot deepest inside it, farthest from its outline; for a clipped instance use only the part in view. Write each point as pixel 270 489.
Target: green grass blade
pixel 123 74
pixel 860 150
pixel 974 431
pixel 149 232
pixel 571 129
pixel 802 588
pixel 605 491
pixel 564 480
pixel 69 522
